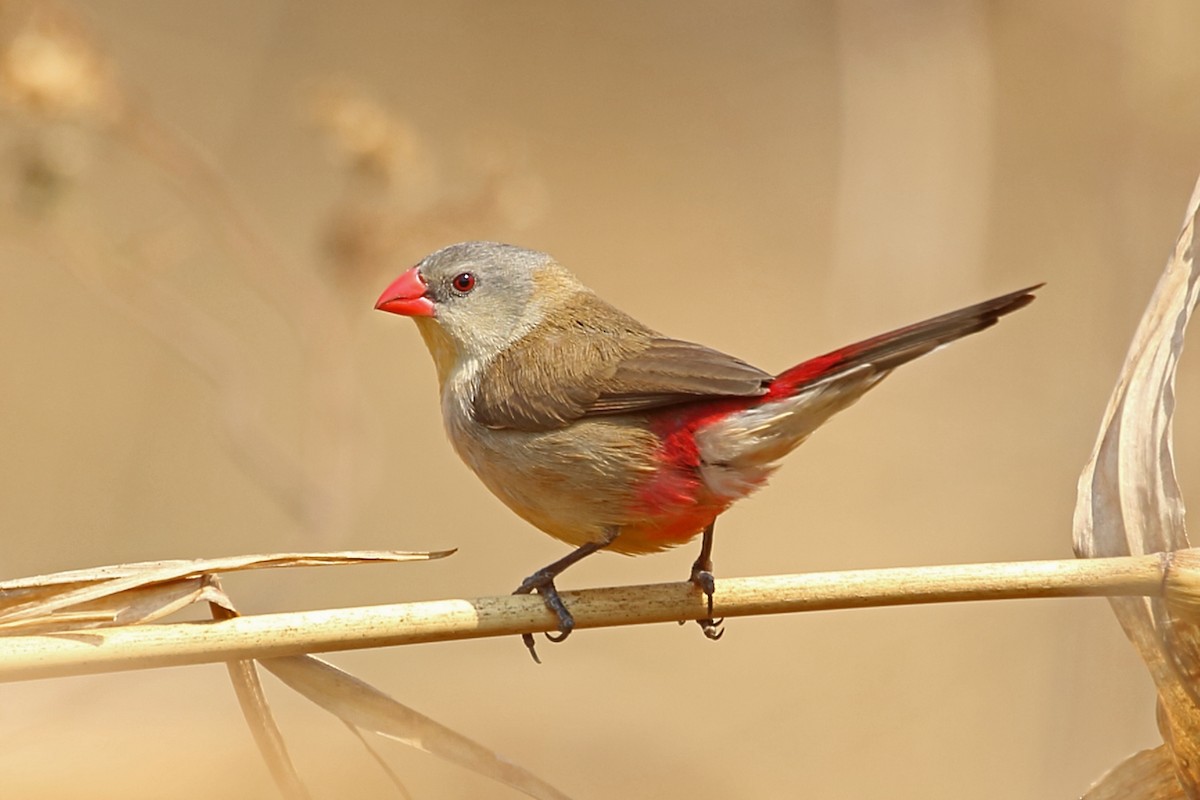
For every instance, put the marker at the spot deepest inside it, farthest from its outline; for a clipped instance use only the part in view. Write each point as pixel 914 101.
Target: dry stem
pixel 1174 576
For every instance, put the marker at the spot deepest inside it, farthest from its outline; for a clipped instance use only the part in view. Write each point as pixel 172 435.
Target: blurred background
pixel 200 203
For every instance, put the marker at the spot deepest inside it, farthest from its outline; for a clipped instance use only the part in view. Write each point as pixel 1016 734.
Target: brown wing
pixel 671 371
pixel 597 360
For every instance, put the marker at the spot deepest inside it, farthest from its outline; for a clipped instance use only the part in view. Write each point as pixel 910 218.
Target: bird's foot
pixel 542 582
pixel 702 577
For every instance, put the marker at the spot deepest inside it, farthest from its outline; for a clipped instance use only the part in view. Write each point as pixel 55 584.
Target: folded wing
pixel 596 361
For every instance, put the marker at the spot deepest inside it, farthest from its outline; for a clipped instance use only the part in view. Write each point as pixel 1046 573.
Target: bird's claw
pixel 530 645
pixel 542 582
pixel 713 628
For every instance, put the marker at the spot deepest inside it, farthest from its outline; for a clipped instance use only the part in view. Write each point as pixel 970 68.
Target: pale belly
pixel 578 482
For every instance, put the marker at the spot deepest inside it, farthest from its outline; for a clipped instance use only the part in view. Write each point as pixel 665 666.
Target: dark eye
pixel 463 282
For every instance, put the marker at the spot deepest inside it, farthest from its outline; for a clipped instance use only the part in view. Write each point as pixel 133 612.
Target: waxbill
pixel 607 434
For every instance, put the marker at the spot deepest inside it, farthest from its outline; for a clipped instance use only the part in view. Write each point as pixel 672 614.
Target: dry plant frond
pixel 126 594
pixel 69 603
pixel 1130 503
pixel 51 68
pixel 54 77
pixel 57 89
pixel 372 141
pixel 252 699
pixel 1147 775
pixel 364 707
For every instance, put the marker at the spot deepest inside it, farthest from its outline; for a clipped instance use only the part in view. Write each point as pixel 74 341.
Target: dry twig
pixel 1175 578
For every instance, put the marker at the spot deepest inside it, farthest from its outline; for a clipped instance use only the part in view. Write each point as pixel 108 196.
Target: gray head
pixel 481 295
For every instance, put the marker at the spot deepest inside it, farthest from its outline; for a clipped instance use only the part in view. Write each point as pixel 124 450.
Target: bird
pixel 607 434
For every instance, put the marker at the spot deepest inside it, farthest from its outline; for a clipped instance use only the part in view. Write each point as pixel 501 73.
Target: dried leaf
pixel 363 706
pixel 1129 502
pixel 190 566
pixel 380 761
pixel 128 607
pixel 253 702
pixel 141 592
pixel 1147 775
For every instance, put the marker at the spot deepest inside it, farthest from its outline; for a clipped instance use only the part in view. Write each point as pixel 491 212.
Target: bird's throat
pixel 441 347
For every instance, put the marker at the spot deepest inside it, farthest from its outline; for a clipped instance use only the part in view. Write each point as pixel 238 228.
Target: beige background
pixel 773 179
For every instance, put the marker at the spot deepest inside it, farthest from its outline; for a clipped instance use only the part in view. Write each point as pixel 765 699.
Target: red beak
pixel 406 295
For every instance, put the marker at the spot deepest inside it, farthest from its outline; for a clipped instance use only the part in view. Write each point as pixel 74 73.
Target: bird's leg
pixel 542 582
pixel 703 578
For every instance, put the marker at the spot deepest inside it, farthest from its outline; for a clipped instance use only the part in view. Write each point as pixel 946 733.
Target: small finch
pixel 606 434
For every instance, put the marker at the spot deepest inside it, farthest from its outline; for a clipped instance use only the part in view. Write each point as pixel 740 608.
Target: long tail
pixel 885 352
pixel 741 449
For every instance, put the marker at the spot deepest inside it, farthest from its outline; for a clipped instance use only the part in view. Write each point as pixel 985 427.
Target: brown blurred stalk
pixel 1173 576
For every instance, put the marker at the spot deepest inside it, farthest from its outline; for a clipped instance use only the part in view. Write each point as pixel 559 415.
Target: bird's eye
pixel 463 282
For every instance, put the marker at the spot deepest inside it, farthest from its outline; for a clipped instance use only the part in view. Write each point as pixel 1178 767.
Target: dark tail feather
pixel 889 350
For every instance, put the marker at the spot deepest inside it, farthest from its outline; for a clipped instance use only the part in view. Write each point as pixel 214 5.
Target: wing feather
pixel 597 360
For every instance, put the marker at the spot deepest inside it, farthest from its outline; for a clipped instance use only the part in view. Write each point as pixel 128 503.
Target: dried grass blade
pixel 253 702
pixel 44 595
pixel 380 761
pixel 1129 501
pixel 221 564
pixel 360 704
pixel 1146 775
